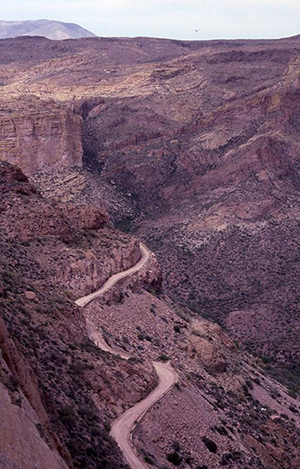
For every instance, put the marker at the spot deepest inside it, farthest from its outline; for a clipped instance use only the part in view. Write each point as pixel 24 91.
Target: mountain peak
pixel 56 30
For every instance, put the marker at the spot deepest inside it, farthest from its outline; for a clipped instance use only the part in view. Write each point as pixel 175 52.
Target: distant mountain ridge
pixel 47 28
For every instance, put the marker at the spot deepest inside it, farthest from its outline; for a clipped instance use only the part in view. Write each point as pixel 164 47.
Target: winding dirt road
pixel 123 427
pixel 145 254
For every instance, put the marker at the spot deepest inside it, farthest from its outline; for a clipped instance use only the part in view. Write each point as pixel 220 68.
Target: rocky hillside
pixel 223 411
pixel 47 28
pixel 46 255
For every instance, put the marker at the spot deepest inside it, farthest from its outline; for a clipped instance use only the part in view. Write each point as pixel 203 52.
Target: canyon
pixel 192 149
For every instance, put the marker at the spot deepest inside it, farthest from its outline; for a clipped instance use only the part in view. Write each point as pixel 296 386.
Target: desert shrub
pixel 164 358
pixel 135 359
pixel 78 367
pixel 68 416
pixel 221 430
pixel 249 384
pixel 58 358
pixel 293 409
pixel 8 278
pixel 88 346
pixel 12 383
pixel 246 390
pixel 149 460
pixel 176 445
pixel 227 457
pixel 174 458
pixel 266 359
pixel 86 412
pixel 210 444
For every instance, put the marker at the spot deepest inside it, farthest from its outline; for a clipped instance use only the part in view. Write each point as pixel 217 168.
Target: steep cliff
pixel 46 136
pixel 25 434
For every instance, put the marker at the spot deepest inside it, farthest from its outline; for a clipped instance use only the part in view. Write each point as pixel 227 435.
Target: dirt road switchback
pixel 122 428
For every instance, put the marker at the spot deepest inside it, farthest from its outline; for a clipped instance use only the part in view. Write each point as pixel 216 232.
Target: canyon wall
pixel 46 138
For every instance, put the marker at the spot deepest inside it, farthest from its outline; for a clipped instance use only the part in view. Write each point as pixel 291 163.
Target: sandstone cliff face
pixel 47 138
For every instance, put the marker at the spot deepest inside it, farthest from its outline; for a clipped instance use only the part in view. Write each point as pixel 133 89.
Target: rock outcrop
pixel 84 217
pixel 21 205
pixel 209 344
pixel 80 250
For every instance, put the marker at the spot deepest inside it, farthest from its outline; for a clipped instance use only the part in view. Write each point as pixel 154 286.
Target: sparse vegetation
pixel 163 357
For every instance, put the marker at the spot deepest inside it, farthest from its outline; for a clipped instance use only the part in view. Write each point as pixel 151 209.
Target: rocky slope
pixel 223 411
pixel 49 422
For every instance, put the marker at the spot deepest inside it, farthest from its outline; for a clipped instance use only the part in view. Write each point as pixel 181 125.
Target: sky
pixel 178 19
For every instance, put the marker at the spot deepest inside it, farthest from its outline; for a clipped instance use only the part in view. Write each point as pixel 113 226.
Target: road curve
pixel 145 254
pixel 122 428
